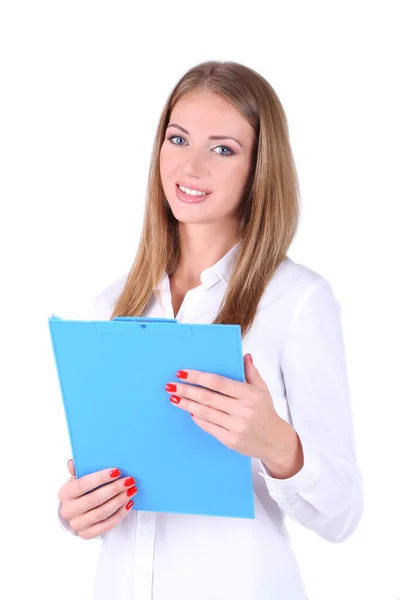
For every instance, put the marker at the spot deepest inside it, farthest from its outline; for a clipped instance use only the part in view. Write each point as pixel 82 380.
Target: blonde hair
pixel 269 210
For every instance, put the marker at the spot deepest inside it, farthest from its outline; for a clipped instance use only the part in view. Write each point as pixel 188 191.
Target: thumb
pixel 71 467
pixel 252 374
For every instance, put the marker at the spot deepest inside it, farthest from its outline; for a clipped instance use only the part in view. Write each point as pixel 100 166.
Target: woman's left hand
pixel 240 415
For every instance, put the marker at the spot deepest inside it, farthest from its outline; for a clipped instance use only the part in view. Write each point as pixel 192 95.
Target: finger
pixel 104 517
pixel 75 507
pixel 202 412
pixel 207 397
pixel 71 467
pixel 79 487
pixel 104 526
pixel 218 383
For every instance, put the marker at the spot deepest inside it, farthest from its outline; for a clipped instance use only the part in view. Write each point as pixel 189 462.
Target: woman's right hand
pixel 92 510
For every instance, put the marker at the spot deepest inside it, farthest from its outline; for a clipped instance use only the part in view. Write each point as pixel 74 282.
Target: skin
pixel 91 511
pixel 241 415
pixel 209 229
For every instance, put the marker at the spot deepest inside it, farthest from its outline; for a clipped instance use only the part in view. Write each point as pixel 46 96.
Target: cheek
pixel 167 161
pixel 236 176
pixel 233 182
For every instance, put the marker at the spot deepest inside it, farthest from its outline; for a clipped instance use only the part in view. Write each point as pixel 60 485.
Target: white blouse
pixel 296 342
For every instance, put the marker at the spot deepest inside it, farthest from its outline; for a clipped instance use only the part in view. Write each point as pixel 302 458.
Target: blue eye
pixel 176 136
pixel 231 152
pixel 226 148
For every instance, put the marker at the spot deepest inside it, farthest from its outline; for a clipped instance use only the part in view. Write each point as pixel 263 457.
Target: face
pixel 190 157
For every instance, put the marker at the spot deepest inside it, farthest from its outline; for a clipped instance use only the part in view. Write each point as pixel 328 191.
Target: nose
pixel 194 164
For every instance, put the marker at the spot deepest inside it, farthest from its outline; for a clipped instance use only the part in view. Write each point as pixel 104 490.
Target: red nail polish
pixel 129 505
pixel 131 491
pixel 182 374
pixel 129 482
pixel 175 399
pixel 191 414
pixel 170 387
pixel 115 473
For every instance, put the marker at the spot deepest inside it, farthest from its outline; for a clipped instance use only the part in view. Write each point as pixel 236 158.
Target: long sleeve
pixel 326 495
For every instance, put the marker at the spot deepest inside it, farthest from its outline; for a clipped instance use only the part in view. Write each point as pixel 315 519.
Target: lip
pixel 199 189
pixel 188 199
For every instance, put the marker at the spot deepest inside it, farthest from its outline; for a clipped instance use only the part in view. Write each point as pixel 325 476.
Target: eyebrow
pixel 211 137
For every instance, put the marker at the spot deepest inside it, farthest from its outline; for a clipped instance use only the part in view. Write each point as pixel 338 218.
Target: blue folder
pixel 112 377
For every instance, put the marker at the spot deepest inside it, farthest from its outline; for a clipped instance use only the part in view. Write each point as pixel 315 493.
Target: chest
pixel 178 293
pixel 177 297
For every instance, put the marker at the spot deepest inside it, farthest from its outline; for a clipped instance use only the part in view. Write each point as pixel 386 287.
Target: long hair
pixel 269 210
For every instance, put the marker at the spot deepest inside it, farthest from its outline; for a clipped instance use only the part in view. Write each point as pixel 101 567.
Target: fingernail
pixel 129 505
pixel 130 481
pixel 251 359
pixel 170 387
pixel 115 473
pixel 191 414
pixel 175 399
pixel 182 374
pixel 131 491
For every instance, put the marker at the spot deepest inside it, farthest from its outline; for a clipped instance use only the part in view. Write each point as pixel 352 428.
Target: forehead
pixel 208 113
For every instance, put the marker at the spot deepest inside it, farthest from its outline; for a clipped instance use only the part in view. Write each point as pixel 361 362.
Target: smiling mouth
pixel 189 198
pixel 203 193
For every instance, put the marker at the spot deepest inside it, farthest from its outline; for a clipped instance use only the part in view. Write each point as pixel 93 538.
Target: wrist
pixel 284 457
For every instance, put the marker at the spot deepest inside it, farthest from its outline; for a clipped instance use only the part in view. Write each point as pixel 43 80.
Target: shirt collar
pixel 221 270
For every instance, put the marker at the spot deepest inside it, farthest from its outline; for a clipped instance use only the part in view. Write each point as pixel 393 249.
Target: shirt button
pixel 145 518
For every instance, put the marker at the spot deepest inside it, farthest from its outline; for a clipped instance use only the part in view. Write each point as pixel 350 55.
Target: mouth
pixel 184 184
pixel 189 198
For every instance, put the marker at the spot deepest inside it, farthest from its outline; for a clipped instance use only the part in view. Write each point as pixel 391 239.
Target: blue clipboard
pixel 112 376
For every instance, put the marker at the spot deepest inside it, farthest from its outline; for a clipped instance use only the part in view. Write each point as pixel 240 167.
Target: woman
pixel 219 220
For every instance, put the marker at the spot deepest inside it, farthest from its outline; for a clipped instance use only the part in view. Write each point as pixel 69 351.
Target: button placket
pixel 145 518
pixel 144 556
pixel 188 308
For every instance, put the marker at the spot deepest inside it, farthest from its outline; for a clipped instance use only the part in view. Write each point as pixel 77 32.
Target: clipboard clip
pixel 146 326
pixel 145 319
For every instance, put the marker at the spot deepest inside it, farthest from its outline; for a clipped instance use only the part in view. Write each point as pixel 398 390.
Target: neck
pixel 201 246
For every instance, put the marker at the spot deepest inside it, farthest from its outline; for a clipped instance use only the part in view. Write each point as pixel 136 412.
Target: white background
pixel 82 87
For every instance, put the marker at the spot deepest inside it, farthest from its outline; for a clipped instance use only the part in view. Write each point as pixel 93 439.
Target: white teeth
pixel 191 192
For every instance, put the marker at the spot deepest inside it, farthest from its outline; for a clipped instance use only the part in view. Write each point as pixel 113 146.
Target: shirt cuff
pixel 301 481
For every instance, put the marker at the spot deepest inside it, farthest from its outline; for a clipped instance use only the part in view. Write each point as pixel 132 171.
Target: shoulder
pixel 297 276
pixel 308 292
pixel 103 302
pixel 293 284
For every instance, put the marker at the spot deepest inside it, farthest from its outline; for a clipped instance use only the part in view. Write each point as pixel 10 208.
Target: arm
pixel 324 490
